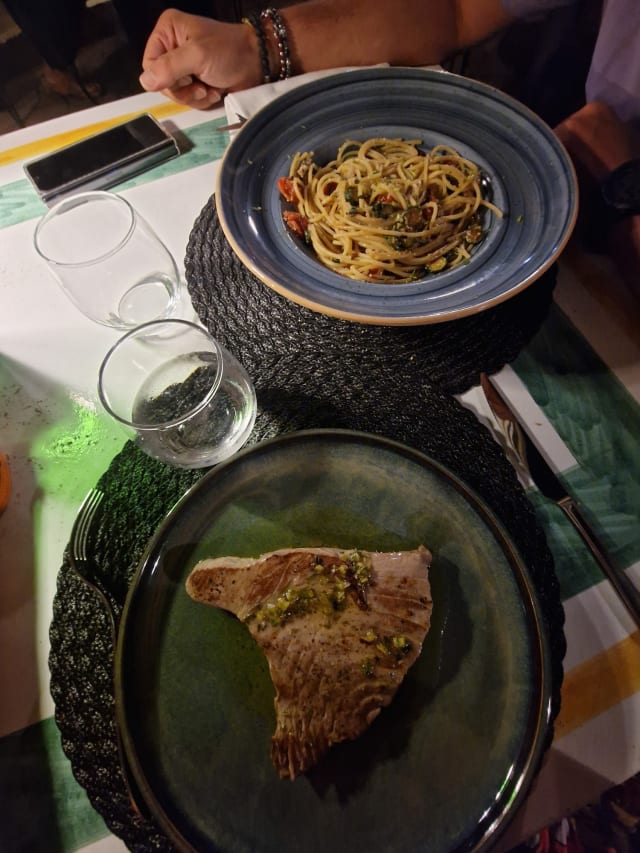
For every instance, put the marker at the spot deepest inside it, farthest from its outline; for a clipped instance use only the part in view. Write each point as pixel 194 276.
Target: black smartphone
pixel 102 160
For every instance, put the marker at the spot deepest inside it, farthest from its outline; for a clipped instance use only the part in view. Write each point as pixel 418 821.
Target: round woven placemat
pixel 258 323
pixel 139 492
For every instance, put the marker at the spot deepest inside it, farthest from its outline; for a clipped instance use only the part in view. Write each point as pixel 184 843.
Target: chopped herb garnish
pixel 367 667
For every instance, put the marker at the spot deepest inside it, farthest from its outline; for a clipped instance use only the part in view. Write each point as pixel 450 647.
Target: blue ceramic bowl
pixel 533 182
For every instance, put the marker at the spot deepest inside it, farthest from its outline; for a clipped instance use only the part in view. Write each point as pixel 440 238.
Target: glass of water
pixel 185 399
pixel 108 260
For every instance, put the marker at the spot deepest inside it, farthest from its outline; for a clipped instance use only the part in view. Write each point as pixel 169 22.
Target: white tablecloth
pixel 58 442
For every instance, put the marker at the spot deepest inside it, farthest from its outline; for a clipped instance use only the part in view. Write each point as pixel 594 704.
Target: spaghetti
pixel 385 211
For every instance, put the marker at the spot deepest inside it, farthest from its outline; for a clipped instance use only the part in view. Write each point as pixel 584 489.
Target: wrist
pixel 614 201
pixel 271 38
pixel 621 188
pixel 255 51
pixel 277 38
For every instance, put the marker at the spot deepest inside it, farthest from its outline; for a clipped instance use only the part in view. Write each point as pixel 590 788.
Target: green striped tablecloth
pixel 57 443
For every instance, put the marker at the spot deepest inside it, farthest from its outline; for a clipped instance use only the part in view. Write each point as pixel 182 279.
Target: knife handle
pixel 627 592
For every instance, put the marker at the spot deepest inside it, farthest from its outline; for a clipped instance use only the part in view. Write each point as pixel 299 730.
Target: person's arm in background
pixel 194 60
pixel 333 33
pixel 598 142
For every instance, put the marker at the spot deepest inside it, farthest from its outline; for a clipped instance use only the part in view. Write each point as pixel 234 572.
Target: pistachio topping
pixel 368 667
pixel 388 650
pixel 292 602
pixel 328 587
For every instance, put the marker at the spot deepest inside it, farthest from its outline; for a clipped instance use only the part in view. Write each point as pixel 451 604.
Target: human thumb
pixel 149 81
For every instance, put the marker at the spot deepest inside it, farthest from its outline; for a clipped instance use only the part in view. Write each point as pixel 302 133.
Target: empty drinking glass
pixel 186 399
pixel 108 260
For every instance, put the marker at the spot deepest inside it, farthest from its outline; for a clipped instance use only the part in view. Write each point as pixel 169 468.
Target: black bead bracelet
pixel 281 37
pixel 255 22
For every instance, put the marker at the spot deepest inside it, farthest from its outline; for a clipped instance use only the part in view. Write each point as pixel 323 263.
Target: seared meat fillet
pixel 340 630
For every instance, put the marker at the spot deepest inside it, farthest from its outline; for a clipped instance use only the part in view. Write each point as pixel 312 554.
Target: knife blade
pixel 554 489
pixel 236 125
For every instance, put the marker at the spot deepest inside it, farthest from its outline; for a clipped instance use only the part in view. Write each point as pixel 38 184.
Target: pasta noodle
pixel 385 211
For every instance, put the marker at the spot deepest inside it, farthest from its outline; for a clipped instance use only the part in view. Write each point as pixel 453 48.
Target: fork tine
pixel 82 524
pixel 78 553
pixel 92 508
pixel 78 529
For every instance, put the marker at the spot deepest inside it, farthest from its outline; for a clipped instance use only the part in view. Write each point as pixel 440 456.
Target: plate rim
pixel 538 738
pixel 398 73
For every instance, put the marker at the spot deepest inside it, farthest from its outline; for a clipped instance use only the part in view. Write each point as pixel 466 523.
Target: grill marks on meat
pixel 340 630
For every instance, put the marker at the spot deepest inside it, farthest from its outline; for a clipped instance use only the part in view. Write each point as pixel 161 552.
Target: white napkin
pixel 249 101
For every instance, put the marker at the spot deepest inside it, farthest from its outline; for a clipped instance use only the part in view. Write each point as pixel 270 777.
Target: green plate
pixel 442 768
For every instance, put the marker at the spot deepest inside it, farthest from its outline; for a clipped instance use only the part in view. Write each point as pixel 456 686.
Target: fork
pixel 81 564
pixel 236 125
pixel 78 558
pixel 530 462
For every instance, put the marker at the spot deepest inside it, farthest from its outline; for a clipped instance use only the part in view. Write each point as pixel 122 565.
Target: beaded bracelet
pixel 281 38
pixel 255 22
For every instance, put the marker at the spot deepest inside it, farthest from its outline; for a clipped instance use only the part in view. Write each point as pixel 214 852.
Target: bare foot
pixel 67 83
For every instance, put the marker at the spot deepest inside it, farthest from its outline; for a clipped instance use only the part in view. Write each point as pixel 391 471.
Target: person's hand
pixel 195 60
pixel 597 140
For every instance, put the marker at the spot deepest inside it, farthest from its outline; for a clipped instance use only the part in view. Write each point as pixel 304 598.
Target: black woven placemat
pixel 139 491
pixel 258 323
pixel 309 370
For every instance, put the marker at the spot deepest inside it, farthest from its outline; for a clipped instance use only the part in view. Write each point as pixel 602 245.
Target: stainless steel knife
pixel 552 487
pixel 242 120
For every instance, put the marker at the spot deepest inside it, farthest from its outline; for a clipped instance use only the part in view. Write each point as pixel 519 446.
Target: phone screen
pixel 95 154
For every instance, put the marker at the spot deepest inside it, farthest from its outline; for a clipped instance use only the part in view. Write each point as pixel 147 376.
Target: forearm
pixel 195 60
pixel 334 33
pixel 599 143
